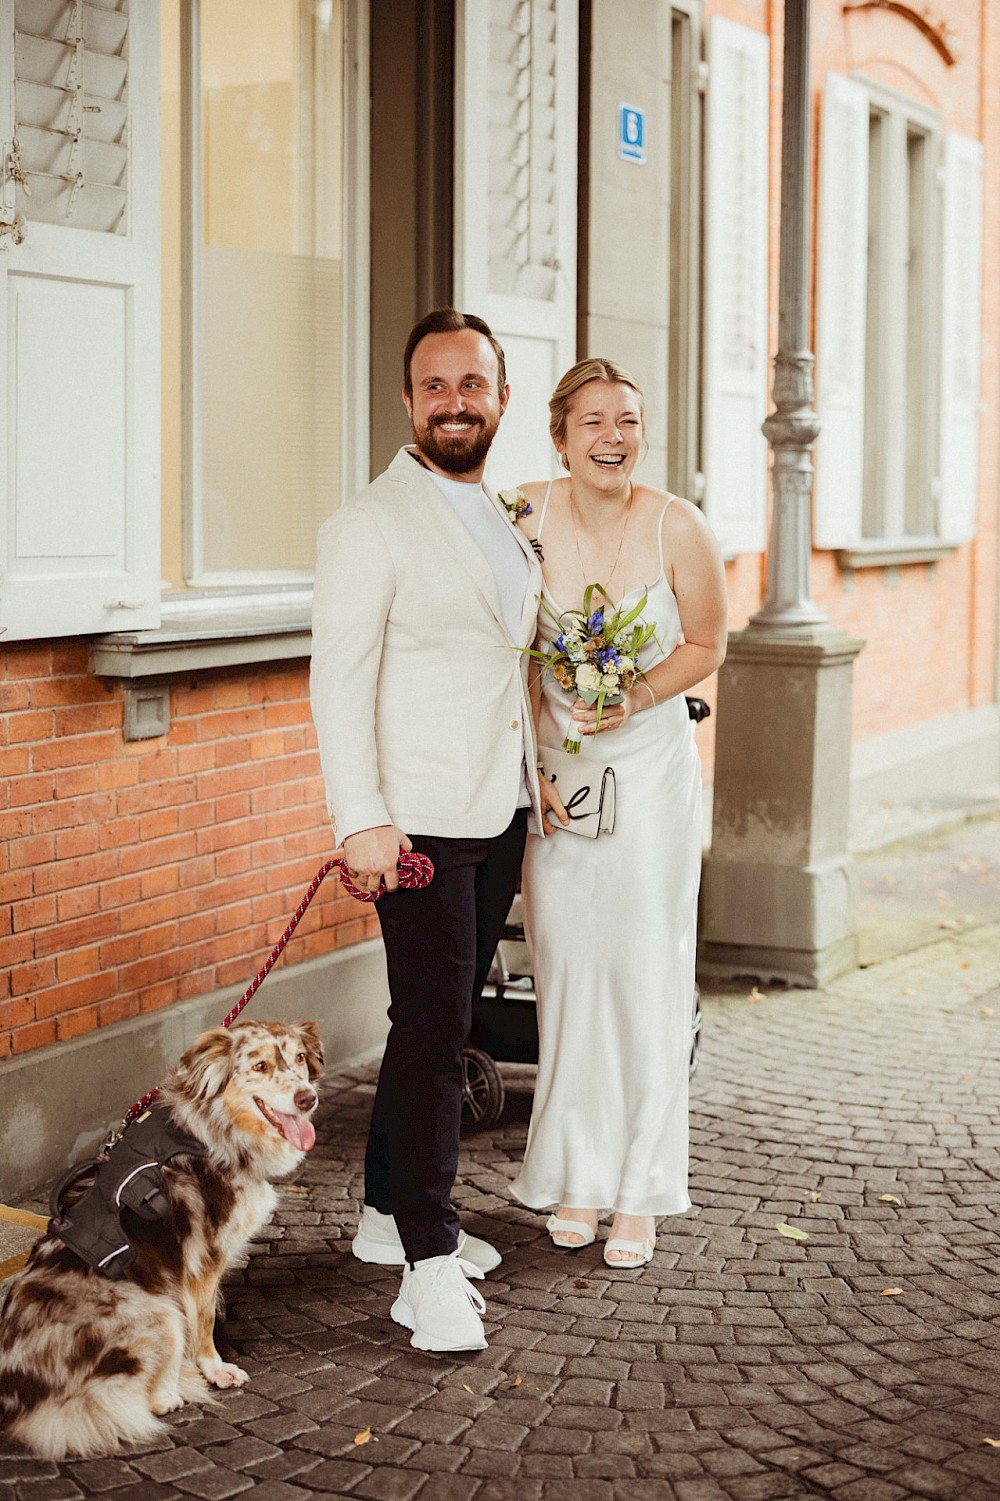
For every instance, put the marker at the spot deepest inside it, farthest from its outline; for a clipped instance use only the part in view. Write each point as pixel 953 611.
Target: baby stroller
pixel 505 1021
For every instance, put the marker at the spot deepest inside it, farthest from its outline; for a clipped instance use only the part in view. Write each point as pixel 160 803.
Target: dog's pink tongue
pixel 297 1130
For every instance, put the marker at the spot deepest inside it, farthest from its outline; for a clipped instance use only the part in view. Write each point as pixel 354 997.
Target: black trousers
pixel 439 944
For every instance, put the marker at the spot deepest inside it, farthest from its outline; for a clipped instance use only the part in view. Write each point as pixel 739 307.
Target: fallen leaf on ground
pixel 294 1188
pixel 815 1198
pixel 517 1381
pixel 757 995
pixel 891 1292
pixel 907 990
pixel 365 1437
pixel 986 1011
pixel 963 964
pixel 791 1232
pixel 994 1443
pixel 951 922
pixel 889 1199
pixel 947 1120
pixel 468 1389
pixel 581 1282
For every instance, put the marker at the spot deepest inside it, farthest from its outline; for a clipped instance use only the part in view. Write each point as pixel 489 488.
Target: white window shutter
pixel 79 319
pixel 515 206
pixel 841 303
pixel 734 454
pixel 961 291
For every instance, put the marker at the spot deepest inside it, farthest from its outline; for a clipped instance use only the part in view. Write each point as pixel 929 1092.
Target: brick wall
pixel 136 875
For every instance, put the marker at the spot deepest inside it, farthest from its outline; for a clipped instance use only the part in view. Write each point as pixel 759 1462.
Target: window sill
pixel 881 552
pixel 200 632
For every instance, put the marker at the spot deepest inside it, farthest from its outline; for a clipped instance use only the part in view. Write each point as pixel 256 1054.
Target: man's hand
pixel 371 857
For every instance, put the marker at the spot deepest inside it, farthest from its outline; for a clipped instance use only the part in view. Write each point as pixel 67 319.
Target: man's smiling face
pixel 456 405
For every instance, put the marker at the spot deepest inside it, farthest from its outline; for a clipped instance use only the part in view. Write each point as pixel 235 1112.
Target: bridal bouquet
pixel 594 656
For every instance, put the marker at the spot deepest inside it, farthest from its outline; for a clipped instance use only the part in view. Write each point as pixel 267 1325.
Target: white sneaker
pixel 377 1240
pixel 437 1303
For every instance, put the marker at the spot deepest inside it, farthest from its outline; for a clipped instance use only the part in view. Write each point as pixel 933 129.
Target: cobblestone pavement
pixel 861 1363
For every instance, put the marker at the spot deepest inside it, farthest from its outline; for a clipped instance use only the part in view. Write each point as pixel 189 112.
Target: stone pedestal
pixel 778 887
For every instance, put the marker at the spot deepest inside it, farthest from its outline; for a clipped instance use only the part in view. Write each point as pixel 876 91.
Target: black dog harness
pixel 130 1176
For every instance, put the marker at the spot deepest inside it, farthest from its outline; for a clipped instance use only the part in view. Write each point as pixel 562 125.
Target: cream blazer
pixel 419 692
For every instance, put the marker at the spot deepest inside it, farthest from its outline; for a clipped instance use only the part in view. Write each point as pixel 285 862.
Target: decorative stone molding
pixel 941 34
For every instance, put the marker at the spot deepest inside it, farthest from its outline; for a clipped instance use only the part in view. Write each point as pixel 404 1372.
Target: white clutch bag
pixel 587 789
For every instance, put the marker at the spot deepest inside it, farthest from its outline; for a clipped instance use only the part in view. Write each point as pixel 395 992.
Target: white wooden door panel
pixel 961 300
pixel 79 321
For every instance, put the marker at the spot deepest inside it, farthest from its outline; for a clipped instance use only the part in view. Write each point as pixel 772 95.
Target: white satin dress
pixel 611 924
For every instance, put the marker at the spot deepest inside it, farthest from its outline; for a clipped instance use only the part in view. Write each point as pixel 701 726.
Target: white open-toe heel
pixel 555 1226
pixel 641 1252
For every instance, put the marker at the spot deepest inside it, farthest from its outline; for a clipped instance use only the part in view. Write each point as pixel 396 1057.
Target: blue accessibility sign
pixel 631 133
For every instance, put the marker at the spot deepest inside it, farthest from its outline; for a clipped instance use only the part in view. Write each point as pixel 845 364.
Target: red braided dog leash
pixel 415 871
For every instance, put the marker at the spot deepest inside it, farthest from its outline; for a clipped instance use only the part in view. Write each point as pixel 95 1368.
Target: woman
pixel 611 921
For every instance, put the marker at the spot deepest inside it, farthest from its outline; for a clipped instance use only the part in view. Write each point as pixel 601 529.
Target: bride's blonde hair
pixel 579 375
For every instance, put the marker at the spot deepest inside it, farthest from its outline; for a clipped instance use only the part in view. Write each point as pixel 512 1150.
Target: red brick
pixel 15 886
pixel 57 693
pixel 150 914
pixel 236 805
pixel 5 1048
pixel 76 1023
pixel 116 832
pixel 195 927
pixel 77 963
pixel 16 825
pixel 156 795
pixel 197 872
pixel 230 918
pixel 158 766
pixel 37 1035
pixel 13 696
pixel 75 781
pixel 195 816
pixel 82 841
pixel 120 1008
pixel 149 971
pixel 160 880
pixel 119 893
pixel 17 950
pixel 229 779
pixel 72 935
pixel 84 870
pixel 291 768
pixel 27 661
pixel 16 761
pixel 231 723
pixel 84 719
pixel 271 743
pixel 195 982
pixel 26 791
pixel 237 835
pixel 31 977
pixel 16 1013
pixel 36 912
pixel 230 694
pixel 157 940
pixel 113 774
pixel 195 758
pixel 154 997
pixel 77 750
pixel 74 993
pixel 32 726
pixel 118 951
pixel 70 811
pixel 157 852
pixel 34 850
pixel 80 901
pixel 294 742
pixel 158 824
pixel 233 751
pixel 196 700
pixel 233 862
pixel 71 658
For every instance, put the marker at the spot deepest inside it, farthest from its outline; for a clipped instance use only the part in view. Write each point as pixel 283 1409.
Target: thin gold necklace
pixel 621 540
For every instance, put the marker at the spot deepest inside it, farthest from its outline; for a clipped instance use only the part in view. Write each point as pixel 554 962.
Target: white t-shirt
pixel 492 533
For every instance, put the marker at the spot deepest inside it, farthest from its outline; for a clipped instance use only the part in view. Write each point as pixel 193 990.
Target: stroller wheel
pixel 482 1091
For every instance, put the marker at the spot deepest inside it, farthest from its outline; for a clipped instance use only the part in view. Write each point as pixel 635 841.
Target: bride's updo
pixel 579 375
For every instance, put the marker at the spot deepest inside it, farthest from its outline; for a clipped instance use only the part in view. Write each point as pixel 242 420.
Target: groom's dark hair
pixel 448 320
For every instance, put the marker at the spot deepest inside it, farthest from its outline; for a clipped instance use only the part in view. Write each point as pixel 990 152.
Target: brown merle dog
pixel 87 1363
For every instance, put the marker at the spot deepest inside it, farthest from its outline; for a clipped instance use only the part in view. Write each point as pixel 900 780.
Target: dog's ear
pixel 204 1070
pixel 315 1056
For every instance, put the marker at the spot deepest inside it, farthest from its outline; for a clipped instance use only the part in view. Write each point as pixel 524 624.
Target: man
pixel 425 597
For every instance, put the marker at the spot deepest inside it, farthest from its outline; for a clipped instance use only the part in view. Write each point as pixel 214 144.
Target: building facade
pixel 218 221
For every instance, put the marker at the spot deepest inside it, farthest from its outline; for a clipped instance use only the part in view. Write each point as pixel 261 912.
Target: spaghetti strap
pixel 545 506
pixel 659 531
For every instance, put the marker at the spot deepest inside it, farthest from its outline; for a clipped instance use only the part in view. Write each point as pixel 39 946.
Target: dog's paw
pixel 168 1401
pixel 221 1373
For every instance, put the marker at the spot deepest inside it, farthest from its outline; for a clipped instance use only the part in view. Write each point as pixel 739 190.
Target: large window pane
pixel 265 287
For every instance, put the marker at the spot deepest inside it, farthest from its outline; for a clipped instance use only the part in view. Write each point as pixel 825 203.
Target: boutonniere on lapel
pixel 514 503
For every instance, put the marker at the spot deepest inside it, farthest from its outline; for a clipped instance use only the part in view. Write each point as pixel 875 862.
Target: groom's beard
pixel 456 453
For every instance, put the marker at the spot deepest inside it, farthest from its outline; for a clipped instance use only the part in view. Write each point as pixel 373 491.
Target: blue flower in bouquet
pixel 515 503
pixel 595 622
